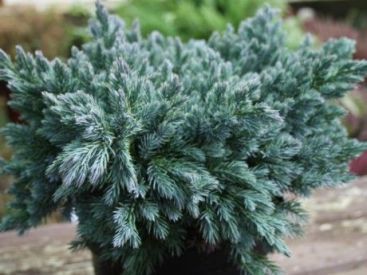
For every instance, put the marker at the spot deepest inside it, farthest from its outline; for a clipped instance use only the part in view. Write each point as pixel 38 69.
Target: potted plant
pixel 178 157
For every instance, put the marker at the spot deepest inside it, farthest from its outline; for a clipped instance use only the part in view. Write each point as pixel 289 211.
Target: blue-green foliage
pixel 155 143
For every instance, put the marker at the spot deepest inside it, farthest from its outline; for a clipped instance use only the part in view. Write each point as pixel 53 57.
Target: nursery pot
pixel 190 263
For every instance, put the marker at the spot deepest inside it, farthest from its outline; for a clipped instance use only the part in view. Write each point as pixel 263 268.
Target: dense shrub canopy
pixel 158 145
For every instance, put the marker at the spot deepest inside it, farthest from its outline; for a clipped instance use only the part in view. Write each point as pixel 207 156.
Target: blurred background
pixel 53 26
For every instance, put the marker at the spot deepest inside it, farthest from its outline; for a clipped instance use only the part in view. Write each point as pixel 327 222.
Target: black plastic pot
pixel 191 263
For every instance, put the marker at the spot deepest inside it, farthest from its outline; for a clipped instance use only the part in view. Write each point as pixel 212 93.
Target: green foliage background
pixel 199 18
pixel 190 18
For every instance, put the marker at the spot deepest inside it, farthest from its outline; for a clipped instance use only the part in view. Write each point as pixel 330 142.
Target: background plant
pixel 34 30
pixel 199 18
pixel 158 144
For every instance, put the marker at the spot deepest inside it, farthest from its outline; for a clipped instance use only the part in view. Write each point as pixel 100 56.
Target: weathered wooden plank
pixel 336 238
pixel 327 252
pixel 43 251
